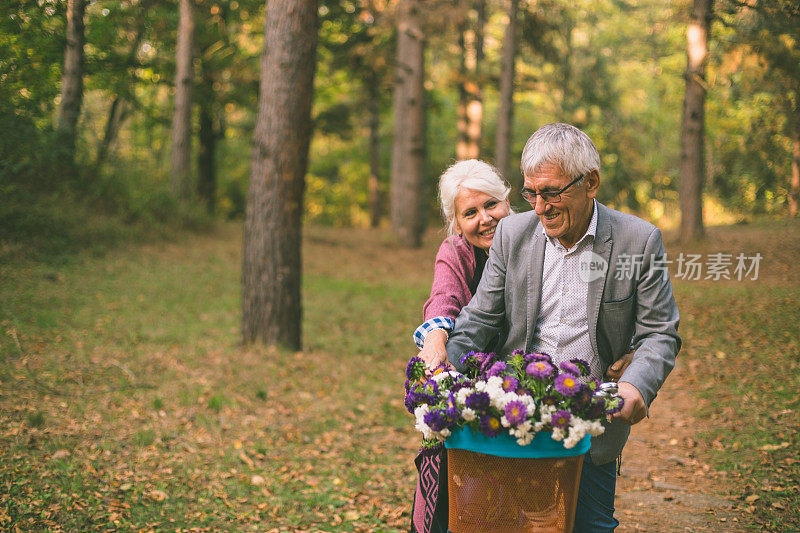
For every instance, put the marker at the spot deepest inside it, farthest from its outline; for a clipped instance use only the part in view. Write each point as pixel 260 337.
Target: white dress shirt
pixel 562 329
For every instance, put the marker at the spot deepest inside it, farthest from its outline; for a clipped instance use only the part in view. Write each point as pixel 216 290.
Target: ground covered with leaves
pixel 126 402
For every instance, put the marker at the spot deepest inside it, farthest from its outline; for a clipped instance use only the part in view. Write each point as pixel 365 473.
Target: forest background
pixel 613 68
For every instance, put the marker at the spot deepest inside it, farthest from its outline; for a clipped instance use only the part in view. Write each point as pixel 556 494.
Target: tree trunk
pixel 462 145
pixel 408 150
pixel 118 111
pixel 505 112
pixel 692 170
pixel 206 156
pixel 794 187
pixel 374 152
pixel 72 78
pixel 470 110
pixel 182 119
pixel 271 264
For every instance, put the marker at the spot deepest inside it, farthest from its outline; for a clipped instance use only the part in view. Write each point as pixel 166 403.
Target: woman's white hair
pixel 469 174
pixel 563 145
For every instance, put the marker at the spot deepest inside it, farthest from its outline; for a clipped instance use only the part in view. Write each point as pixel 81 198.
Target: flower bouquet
pixel 515 432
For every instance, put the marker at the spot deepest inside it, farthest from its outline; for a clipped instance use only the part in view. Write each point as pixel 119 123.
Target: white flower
pixel 420 425
pixel 528 400
pixel 525 439
pixel 440 376
pixel 445 433
pixel 461 395
pixel 558 434
pixel 468 414
pixel 595 428
pixel 496 382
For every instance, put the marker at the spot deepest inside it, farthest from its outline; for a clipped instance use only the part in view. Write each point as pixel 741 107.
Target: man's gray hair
pixel 563 145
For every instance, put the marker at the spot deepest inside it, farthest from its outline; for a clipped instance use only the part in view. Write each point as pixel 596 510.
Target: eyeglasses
pixel 551 197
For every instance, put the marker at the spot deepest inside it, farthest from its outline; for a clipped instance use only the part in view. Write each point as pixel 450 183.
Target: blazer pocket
pixel 619 303
pixel 616 323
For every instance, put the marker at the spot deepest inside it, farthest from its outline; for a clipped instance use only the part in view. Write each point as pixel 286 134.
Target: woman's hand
pixel 433 352
pixel 614 372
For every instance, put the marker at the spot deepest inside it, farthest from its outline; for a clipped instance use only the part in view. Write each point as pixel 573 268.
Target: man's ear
pixel 592 183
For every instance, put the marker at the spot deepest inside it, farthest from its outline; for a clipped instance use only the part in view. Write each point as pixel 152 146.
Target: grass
pixel 742 347
pixel 127 403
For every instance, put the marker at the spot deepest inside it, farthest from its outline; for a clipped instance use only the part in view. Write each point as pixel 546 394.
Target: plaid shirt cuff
pixel 437 322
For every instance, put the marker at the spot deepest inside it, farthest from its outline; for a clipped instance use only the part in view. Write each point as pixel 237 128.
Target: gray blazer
pixel 640 307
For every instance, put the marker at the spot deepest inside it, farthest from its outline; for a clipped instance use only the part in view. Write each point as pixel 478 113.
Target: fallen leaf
pixel 157 495
pixel 351 515
pixel 257 480
pixel 245 459
pixel 752 498
pixel 58 454
pixel 773 447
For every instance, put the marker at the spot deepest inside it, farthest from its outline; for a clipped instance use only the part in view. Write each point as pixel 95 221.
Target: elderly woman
pixel 474 198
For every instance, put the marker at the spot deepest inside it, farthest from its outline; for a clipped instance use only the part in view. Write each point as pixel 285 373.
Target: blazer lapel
pixel 602 247
pixel 535 265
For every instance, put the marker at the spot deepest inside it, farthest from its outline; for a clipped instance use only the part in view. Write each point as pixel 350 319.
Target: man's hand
pixel 615 371
pixel 634 409
pixel 433 351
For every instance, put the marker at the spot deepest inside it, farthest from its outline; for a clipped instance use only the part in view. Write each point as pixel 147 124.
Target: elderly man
pixel 573 278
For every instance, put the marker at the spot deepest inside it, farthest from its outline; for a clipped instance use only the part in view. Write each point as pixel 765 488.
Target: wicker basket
pixel 509 488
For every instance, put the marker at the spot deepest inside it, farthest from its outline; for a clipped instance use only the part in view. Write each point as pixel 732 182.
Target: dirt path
pixel 665 486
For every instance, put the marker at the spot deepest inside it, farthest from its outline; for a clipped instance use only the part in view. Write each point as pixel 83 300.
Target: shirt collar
pixel 591 230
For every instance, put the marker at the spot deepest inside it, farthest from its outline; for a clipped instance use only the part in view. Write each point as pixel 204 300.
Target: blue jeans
pixel 595 509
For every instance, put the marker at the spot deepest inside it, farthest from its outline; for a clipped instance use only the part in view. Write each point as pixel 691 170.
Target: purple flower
pixel 488 360
pixel 570 368
pixel 478 401
pixel 459 384
pixel 490 425
pixel 567 385
pixel 473 360
pixel 436 420
pixel 539 369
pixel 538 357
pixel 583 397
pixel 510 383
pixel 424 393
pixel 517 352
pixel 551 398
pixel 496 369
pixel 615 407
pixel 597 409
pixel 451 411
pixel 415 369
pixel 560 419
pixel 410 403
pixel 516 412
pixel 582 365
